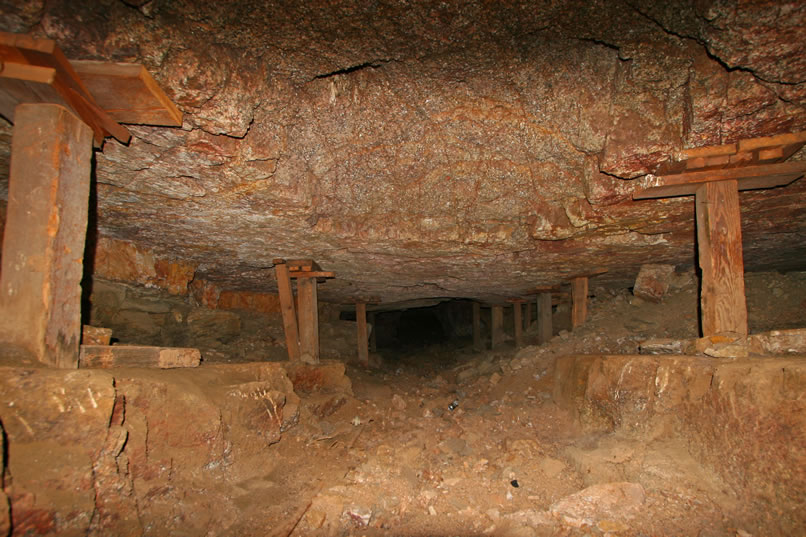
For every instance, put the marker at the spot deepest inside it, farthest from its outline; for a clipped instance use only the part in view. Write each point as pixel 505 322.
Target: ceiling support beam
pixel 544 328
pixel 719 240
pixel 287 309
pixel 579 301
pixel 308 315
pixel 46 227
pixel 361 333
pixel 496 326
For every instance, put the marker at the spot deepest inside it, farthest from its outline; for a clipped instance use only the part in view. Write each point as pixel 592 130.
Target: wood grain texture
pixel 308 315
pixel 719 239
pixel 288 310
pixel 105 356
pixel 361 332
pixel 579 301
pixel 544 328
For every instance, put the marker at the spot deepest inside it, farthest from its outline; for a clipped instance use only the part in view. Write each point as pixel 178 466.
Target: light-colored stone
pixel 653 281
pixel 618 500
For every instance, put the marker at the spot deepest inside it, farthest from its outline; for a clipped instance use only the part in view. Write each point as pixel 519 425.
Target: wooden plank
pixel 45 231
pixel 477 344
pixel 544 328
pixel 748 178
pixel 288 310
pixel 312 274
pixel 517 309
pixel 719 239
pixel 128 93
pixel 708 151
pixel 496 326
pixel 104 356
pixel 299 265
pixel 25 50
pixel 579 301
pixel 361 333
pixel 308 315
pixel 790 138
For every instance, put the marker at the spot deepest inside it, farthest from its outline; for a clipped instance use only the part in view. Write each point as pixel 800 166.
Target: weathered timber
pixel 308 315
pixel 527 317
pixel 579 301
pixel 312 274
pixel 65 87
pixel 128 93
pixel 288 310
pixel 361 332
pixel 45 230
pixel 747 178
pixel 496 326
pixel 719 239
pixel 105 356
pixel 95 335
pixel 477 344
pixel 544 328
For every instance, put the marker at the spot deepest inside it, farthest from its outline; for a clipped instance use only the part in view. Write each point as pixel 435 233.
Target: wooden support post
pixel 579 301
pixel 517 309
pixel 719 239
pixel 361 333
pixel 477 344
pixel 46 226
pixel 288 310
pixel 373 334
pixel 544 328
pixel 308 315
pixel 496 326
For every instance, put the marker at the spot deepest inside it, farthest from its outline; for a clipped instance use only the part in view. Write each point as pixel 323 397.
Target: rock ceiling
pixel 426 149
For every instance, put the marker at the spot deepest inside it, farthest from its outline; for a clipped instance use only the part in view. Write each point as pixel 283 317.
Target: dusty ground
pixel 447 442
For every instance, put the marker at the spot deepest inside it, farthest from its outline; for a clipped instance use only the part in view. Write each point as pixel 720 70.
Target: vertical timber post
pixel 544 328
pixel 477 346
pixel 719 240
pixel 361 333
pixel 527 318
pixel 517 310
pixel 45 232
pixel 496 326
pixel 308 320
pixel 288 310
pixel 579 301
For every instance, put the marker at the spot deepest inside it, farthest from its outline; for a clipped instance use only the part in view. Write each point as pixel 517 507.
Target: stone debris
pixel 653 282
pixel 600 502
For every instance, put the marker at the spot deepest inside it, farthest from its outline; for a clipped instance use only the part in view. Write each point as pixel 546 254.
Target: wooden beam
pixel 544 328
pixel 477 344
pixel 496 326
pixel 579 301
pixel 45 230
pixel 103 356
pixel 308 315
pixel 719 239
pixel 747 178
pixel 288 310
pixel 517 309
pixel 312 274
pixel 361 333
pixel 65 88
pixel 128 93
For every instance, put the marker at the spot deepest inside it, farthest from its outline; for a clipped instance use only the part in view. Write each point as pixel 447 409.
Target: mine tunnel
pixel 402 268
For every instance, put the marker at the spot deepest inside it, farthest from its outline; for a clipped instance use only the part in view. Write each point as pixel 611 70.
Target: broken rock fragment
pixel 653 282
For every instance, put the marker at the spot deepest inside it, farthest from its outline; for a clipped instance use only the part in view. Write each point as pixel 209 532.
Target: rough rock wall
pixel 425 150
pixel 743 419
pixel 137 452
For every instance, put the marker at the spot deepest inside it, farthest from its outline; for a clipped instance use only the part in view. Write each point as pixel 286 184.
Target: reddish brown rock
pixel 125 261
pixel 653 281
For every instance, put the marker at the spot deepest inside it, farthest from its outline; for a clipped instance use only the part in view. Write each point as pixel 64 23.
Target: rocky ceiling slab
pixel 435 149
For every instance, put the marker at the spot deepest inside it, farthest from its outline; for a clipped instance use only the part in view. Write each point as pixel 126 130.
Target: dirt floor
pixel 445 441
pixel 437 441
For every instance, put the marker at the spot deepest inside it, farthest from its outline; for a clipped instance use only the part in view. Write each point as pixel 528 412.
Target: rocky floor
pixel 577 437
